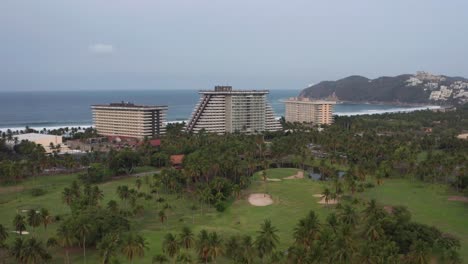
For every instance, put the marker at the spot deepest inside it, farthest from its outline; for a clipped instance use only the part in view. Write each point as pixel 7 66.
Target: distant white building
pixel 41 139
pixel 435 95
pixel 305 110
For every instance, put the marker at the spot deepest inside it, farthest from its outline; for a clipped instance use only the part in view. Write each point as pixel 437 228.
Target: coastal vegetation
pixel 386 182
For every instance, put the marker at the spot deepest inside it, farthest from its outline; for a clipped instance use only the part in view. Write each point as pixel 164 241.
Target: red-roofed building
pixel 177 160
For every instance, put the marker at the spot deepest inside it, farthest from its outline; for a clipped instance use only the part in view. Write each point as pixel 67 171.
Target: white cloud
pixel 100 48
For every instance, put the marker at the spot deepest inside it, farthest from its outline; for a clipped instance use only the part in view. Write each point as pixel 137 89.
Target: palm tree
pixel 82 230
pixel 203 249
pixel 108 246
pixel 138 183
pixel 307 230
pixel 267 239
pixel 66 238
pixel 247 249
pixel 419 253
pixel 16 250
pixel 160 259
pixel 113 206
pixel 30 251
pixel 133 245
pixel 3 234
pixel 124 193
pixel 326 194
pixel 170 245
pixel 46 218
pixel 184 258
pixel 162 216
pixel 349 216
pixel 34 219
pixel 233 248
pixel 236 190
pixel 67 196
pixel 216 247
pixel 52 242
pixel 19 223
pixel 186 237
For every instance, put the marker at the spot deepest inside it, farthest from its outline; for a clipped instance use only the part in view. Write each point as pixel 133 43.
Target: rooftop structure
pixel 224 110
pixel 129 120
pixel 305 110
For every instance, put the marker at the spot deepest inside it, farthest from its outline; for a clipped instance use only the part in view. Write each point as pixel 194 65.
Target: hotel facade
pixel 224 110
pixel 305 110
pixel 129 120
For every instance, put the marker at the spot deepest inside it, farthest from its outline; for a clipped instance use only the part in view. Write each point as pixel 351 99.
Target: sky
pixel 249 44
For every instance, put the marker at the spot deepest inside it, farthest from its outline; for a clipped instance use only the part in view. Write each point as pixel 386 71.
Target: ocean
pixel 52 109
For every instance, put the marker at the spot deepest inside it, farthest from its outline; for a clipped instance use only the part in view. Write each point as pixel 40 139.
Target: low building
pixel 50 143
pixel 224 110
pixel 463 136
pixel 177 161
pixel 129 120
pixel 305 110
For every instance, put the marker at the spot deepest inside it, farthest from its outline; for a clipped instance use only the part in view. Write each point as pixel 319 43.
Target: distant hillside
pixel 407 88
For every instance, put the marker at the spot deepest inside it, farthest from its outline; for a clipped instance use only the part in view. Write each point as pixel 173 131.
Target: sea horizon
pixel 56 109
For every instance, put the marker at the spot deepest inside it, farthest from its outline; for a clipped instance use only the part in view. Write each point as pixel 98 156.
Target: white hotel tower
pixel 224 110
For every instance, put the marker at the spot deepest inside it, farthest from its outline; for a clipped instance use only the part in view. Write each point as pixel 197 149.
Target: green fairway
pixel 292 200
pixel 428 204
pixel 280 173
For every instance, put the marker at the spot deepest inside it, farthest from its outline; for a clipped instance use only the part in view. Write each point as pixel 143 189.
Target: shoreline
pixel 397 108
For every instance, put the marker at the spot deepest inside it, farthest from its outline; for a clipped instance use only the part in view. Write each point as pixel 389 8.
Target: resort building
pixel 129 120
pixel 224 110
pixel 50 143
pixel 305 110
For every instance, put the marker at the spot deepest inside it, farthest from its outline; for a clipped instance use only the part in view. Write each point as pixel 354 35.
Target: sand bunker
pixel 458 199
pixel 260 199
pixel 322 201
pixel 330 201
pixel 22 233
pixel 273 180
pixel 298 175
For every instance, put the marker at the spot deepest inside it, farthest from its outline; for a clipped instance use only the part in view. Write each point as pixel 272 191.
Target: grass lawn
pixel 279 173
pixel 428 205
pixel 292 201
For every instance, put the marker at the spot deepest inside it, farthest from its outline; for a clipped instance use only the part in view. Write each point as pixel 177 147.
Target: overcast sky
pixel 193 44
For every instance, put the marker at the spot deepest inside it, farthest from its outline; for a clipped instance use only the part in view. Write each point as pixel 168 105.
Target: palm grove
pixel 218 170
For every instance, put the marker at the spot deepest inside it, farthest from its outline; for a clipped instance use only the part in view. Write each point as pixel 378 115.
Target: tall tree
pixel 19 223
pixel 170 245
pixel 186 237
pixel 34 218
pixel 267 239
pixel 133 245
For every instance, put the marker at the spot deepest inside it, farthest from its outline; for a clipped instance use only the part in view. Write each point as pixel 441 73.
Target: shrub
pixel 220 207
pixel 37 192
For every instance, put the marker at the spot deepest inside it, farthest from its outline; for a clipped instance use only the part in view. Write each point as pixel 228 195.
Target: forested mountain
pixel 421 87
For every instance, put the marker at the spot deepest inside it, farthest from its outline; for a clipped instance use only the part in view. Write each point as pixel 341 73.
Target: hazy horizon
pixel 190 45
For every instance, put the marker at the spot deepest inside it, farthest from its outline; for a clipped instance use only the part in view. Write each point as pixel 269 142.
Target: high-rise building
pixel 305 110
pixel 224 110
pixel 129 120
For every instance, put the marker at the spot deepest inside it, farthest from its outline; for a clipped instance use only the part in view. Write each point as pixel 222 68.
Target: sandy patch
pixel 22 233
pixel 458 199
pixel 318 195
pixel 298 175
pixel 260 199
pixel 330 201
pixel 273 180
